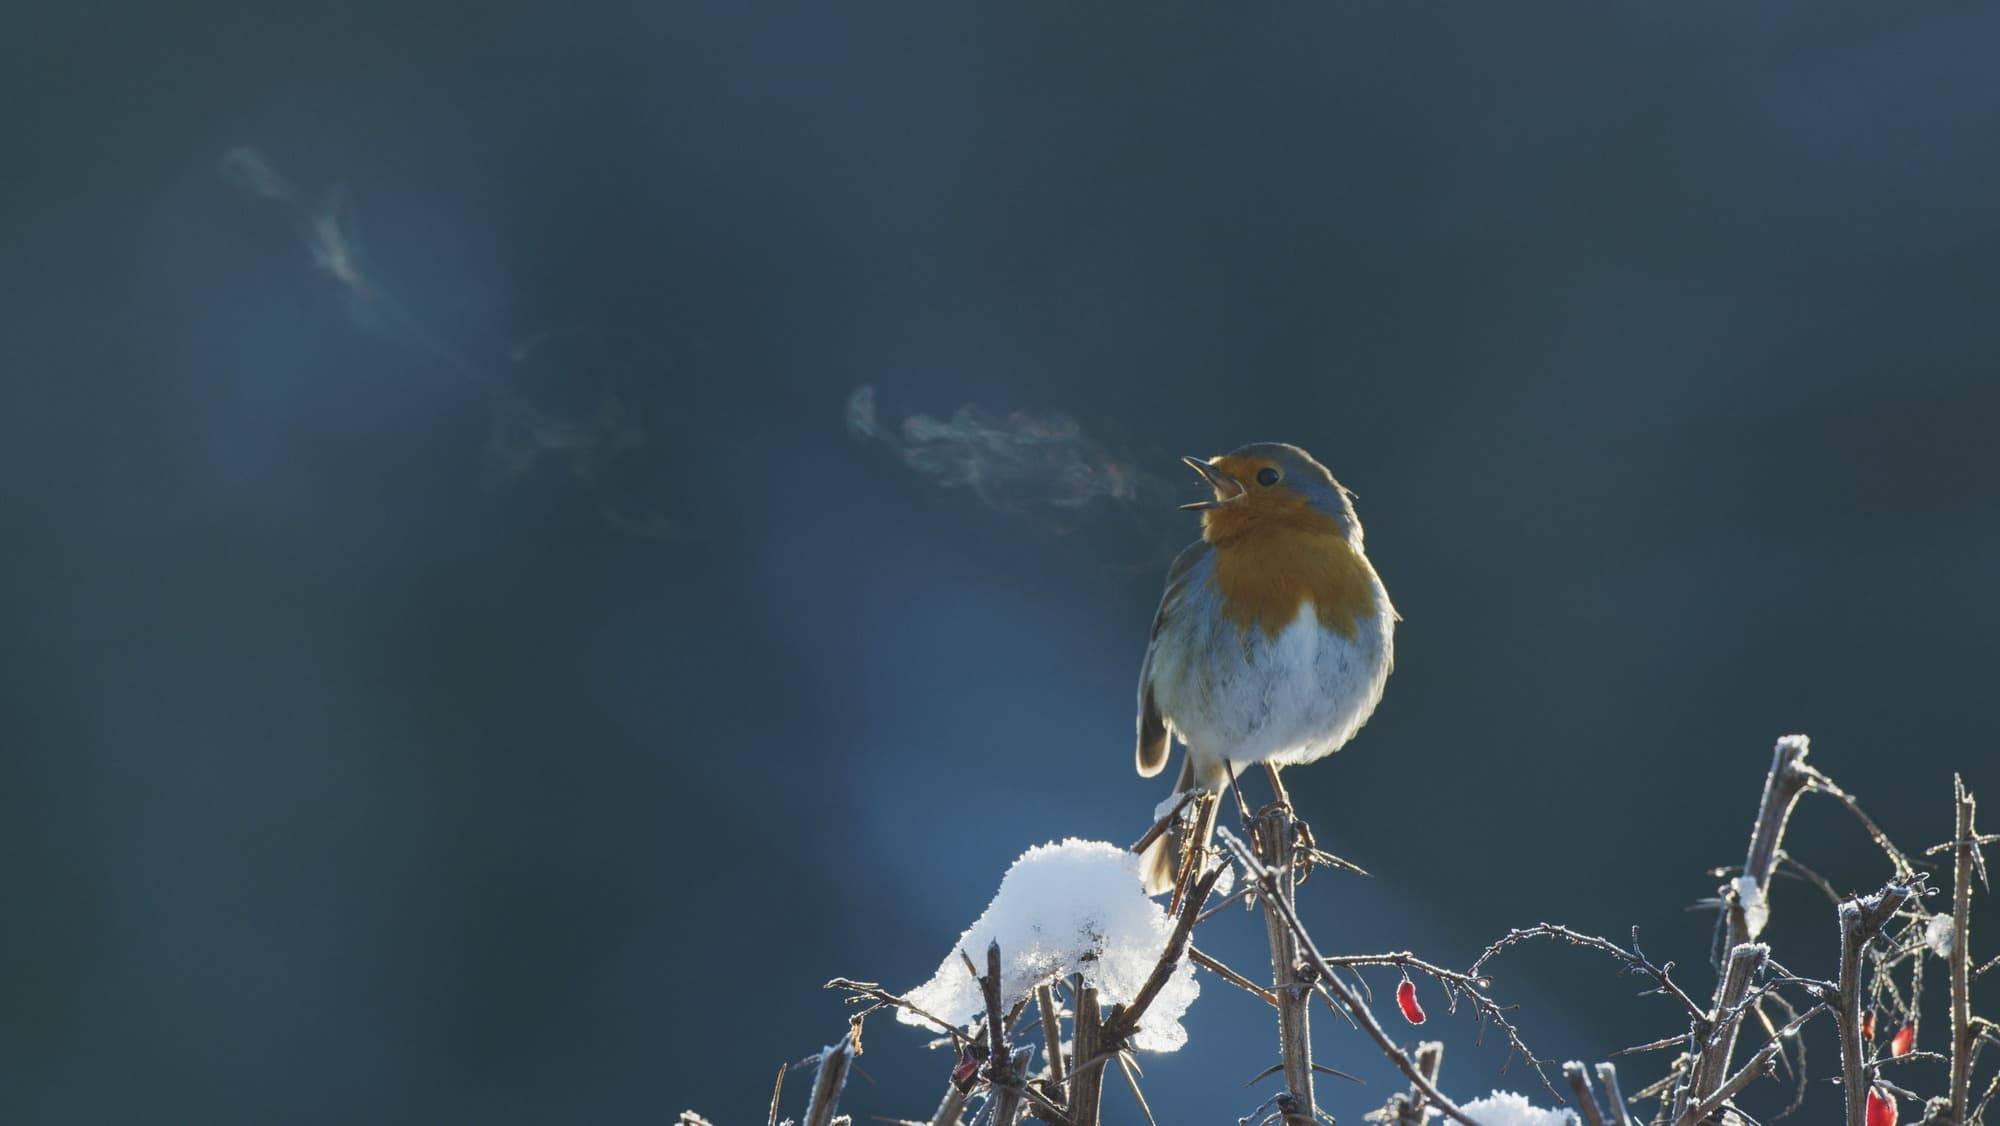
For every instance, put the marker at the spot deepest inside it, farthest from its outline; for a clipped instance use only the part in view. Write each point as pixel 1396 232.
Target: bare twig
pixel 1586 1099
pixel 1164 823
pixel 1097 1039
pixel 952 1109
pixel 1045 1002
pixel 777 1089
pixel 1635 959
pixel 874 992
pixel 1126 1021
pixel 1132 1081
pixel 1712 1062
pixel 1677 1040
pixel 1000 1074
pixel 1455 985
pixel 1860 921
pixel 1430 1062
pixel 1823 785
pixel 1797 868
pixel 1963 1034
pixel 1048 1110
pixel 1334 988
pixel 1992 1088
pixel 1207 962
pixel 833 1067
pixel 1757 1066
pixel 1276 834
pixel 1409 1108
pixel 1614 1099
pixel 1086 1084
pixel 1789 778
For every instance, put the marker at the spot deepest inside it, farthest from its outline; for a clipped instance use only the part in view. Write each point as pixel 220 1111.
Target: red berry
pixel 1868 1026
pixel 965 1073
pixel 1904 1041
pixel 1406 1000
pixel 1881 1109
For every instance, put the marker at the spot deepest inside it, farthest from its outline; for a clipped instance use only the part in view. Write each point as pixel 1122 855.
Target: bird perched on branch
pixel 1274 637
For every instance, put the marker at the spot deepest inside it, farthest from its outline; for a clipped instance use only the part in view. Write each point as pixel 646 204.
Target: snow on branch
pixel 1505 1108
pixel 1078 907
pixel 1108 969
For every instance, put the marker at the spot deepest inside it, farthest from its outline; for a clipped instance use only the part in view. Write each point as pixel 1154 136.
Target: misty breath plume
pixel 1075 907
pixel 326 225
pixel 550 424
pixel 1014 461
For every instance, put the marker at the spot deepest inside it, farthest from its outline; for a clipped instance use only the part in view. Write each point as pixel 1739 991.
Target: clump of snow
pixel 1756 909
pixel 1505 1108
pixel 1938 933
pixel 1075 907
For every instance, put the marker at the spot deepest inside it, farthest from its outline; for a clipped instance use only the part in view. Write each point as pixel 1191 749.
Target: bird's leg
pixel 1308 847
pixel 1277 786
pixel 1302 832
pixel 1242 807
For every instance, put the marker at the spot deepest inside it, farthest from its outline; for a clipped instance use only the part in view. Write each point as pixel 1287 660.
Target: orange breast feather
pixel 1264 578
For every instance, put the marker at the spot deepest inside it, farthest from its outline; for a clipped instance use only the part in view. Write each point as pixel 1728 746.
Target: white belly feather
pixel 1247 698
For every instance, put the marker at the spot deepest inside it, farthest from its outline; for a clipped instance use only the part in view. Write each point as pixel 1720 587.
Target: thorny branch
pixel 1965 854
pixel 868 990
pixel 1883 934
pixel 1330 985
pixel 833 1067
pixel 1788 779
pixel 1412 1109
pixel 1759 1064
pixel 1457 986
pixel 1276 836
pixel 1860 921
pixel 1635 959
pixel 1106 1042
pixel 1000 1076
pixel 1711 1062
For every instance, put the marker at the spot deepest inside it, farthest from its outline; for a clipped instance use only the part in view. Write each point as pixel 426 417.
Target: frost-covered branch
pixel 1331 986
pixel 1711 1063
pixel 832 1077
pixel 1072 932
pixel 1747 903
pixel 1276 834
pixel 1965 851
pixel 1860 921
pixel 1635 959
pixel 1412 1108
pixel 1216 967
pixel 1457 986
pixel 870 991
pixel 1125 1022
pixel 1759 1064
pixel 1615 1111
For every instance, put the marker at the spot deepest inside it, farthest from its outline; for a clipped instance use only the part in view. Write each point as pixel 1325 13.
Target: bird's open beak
pixel 1226 488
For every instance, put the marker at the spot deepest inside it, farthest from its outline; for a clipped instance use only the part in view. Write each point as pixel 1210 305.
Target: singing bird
pixel 1275 635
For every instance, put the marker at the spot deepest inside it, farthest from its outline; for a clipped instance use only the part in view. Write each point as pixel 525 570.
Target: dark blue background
pixel 360 767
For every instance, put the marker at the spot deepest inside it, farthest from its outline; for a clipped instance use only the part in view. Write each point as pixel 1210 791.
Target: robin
pixel 1274 637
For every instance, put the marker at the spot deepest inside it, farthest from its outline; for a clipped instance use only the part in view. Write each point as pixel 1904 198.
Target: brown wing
pixel 1154 738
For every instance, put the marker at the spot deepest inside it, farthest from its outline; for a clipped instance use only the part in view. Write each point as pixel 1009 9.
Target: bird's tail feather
pixel 1160 863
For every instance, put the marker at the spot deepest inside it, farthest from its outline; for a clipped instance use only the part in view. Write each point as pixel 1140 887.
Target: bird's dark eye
pixel 1267 476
